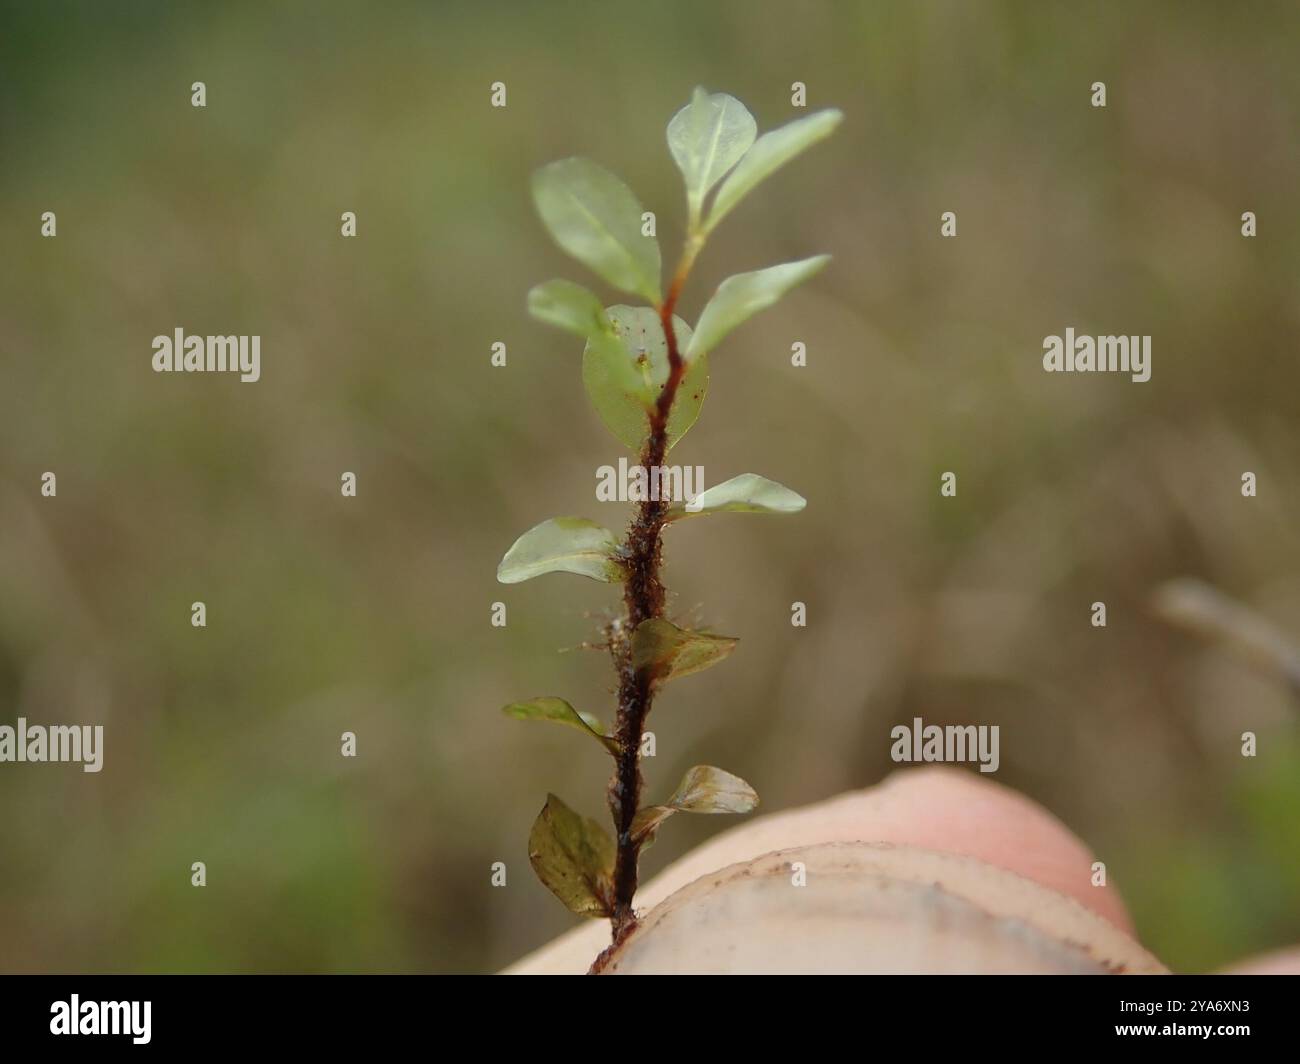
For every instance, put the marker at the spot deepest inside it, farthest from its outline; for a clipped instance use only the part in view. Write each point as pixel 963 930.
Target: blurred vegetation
pixel 328 614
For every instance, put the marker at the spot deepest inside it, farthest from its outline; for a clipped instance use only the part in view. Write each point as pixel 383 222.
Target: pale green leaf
pixel 615 384
pixel 748 493
pixel 574 857
pixel 770 152
pixel 561 712
pixel 624 380
pixel 574 308
pixel 567 305
pixel 707 138
pixel 704 789
pixel 668 651
pixel 596 218
pixel 740 297
pixel 562 545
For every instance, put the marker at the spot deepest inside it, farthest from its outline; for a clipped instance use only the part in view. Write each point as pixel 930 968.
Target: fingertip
pixel 957 811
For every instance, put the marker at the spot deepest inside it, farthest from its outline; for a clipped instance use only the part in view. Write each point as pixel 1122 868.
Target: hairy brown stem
pixel 643 598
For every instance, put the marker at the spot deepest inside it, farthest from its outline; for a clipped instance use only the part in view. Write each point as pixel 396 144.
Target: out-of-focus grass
pixel 371 614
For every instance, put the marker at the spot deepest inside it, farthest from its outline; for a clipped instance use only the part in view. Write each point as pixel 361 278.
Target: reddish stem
pixel 643 598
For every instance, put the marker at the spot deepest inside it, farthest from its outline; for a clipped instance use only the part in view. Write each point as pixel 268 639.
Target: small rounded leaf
pixel 740 297
pixel 704 789
pixel 574 857
pixel 668 651
pixel 560 712
pixel 770 152
pixel 567 305
pixel 707 138
pixel 596 218
pixel 562 545
pixel 623 380
pixel 748 493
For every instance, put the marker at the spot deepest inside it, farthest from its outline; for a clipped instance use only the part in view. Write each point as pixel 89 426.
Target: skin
pixel 932 808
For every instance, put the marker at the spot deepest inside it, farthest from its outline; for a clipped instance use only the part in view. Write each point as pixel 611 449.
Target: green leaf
pixel 747 494
pixel 574 857
pixel 595 218
pixel 624 380
pixel 669 651
pixel 707 138
pixel 563 545
pixel 561 712
pixel 770 152
pixel 740 297
pixel 574 308
pixel 568 306
pixel 704 789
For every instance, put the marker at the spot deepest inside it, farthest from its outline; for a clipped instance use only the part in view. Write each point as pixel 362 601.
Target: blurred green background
pixel 371 614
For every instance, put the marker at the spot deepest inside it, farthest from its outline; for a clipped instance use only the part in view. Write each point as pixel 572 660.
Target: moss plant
pixel 646 372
